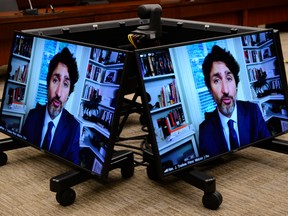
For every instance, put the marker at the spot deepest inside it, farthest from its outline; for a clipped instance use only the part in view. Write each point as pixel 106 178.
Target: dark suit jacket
pixel 66 138
pixel 251 126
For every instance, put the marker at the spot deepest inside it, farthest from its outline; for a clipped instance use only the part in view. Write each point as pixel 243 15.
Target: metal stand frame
pixel 61 184
pixel 211 199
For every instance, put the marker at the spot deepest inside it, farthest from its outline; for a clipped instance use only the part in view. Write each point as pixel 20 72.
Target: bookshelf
pixel 263 74
pixel 15 100
pixel 169 120
pixel 98 100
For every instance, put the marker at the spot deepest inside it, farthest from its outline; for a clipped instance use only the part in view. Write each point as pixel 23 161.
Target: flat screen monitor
pixel 76 87
pixel 192 89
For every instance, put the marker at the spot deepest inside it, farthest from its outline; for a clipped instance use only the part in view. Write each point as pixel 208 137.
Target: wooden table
pixel 236 12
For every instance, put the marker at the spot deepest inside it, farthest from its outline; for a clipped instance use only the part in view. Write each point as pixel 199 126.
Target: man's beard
pixel 54 111
pixel 225 109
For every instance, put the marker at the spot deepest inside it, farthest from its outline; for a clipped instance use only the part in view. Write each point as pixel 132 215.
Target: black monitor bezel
pixel 103 33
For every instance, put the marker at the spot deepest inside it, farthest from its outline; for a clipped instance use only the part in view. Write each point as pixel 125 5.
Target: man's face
pixel 223 88
pixel 58 90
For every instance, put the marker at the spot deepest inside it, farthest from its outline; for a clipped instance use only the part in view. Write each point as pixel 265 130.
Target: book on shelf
pixel 106 57
pixel 252 56
pixel 95 73
pixel 23 46
pixel 255 73
pixel 90 92
pixel 105 118
pixel 275 84
pixel 256 39
pixel 173 123
pixel 168 94
pixel 95 54
pixel 154 64
pixel 17 105
pixel 16 95
pixel 102 118
pixel 20 73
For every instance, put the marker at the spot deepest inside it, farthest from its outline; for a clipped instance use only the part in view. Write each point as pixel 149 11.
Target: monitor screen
pixel 193 89
pixel 61 97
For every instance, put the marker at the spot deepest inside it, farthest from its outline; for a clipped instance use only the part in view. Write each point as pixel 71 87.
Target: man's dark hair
pixel 66 58
pixel 219 54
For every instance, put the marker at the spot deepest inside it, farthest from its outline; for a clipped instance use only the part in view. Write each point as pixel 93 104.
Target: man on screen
pixel 52 127
pixel 233 123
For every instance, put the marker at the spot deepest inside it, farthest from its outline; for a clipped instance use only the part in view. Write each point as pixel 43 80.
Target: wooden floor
pixel 252 182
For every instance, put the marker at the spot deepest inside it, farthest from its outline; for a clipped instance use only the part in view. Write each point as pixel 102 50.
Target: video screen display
pixel 207 98
pixel 61 97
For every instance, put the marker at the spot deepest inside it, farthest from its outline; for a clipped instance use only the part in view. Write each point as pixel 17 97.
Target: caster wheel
pixel 212 200
pixel 127 171
pixel 3 158
pixel 66 197
pixel 151 173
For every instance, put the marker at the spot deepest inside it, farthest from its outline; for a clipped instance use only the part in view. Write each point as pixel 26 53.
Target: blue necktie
pixel 232 135
pixel 47 138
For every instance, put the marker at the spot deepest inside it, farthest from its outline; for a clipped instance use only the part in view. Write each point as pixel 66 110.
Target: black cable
pixel 143 163
pixel 144 145
pixel 132 138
